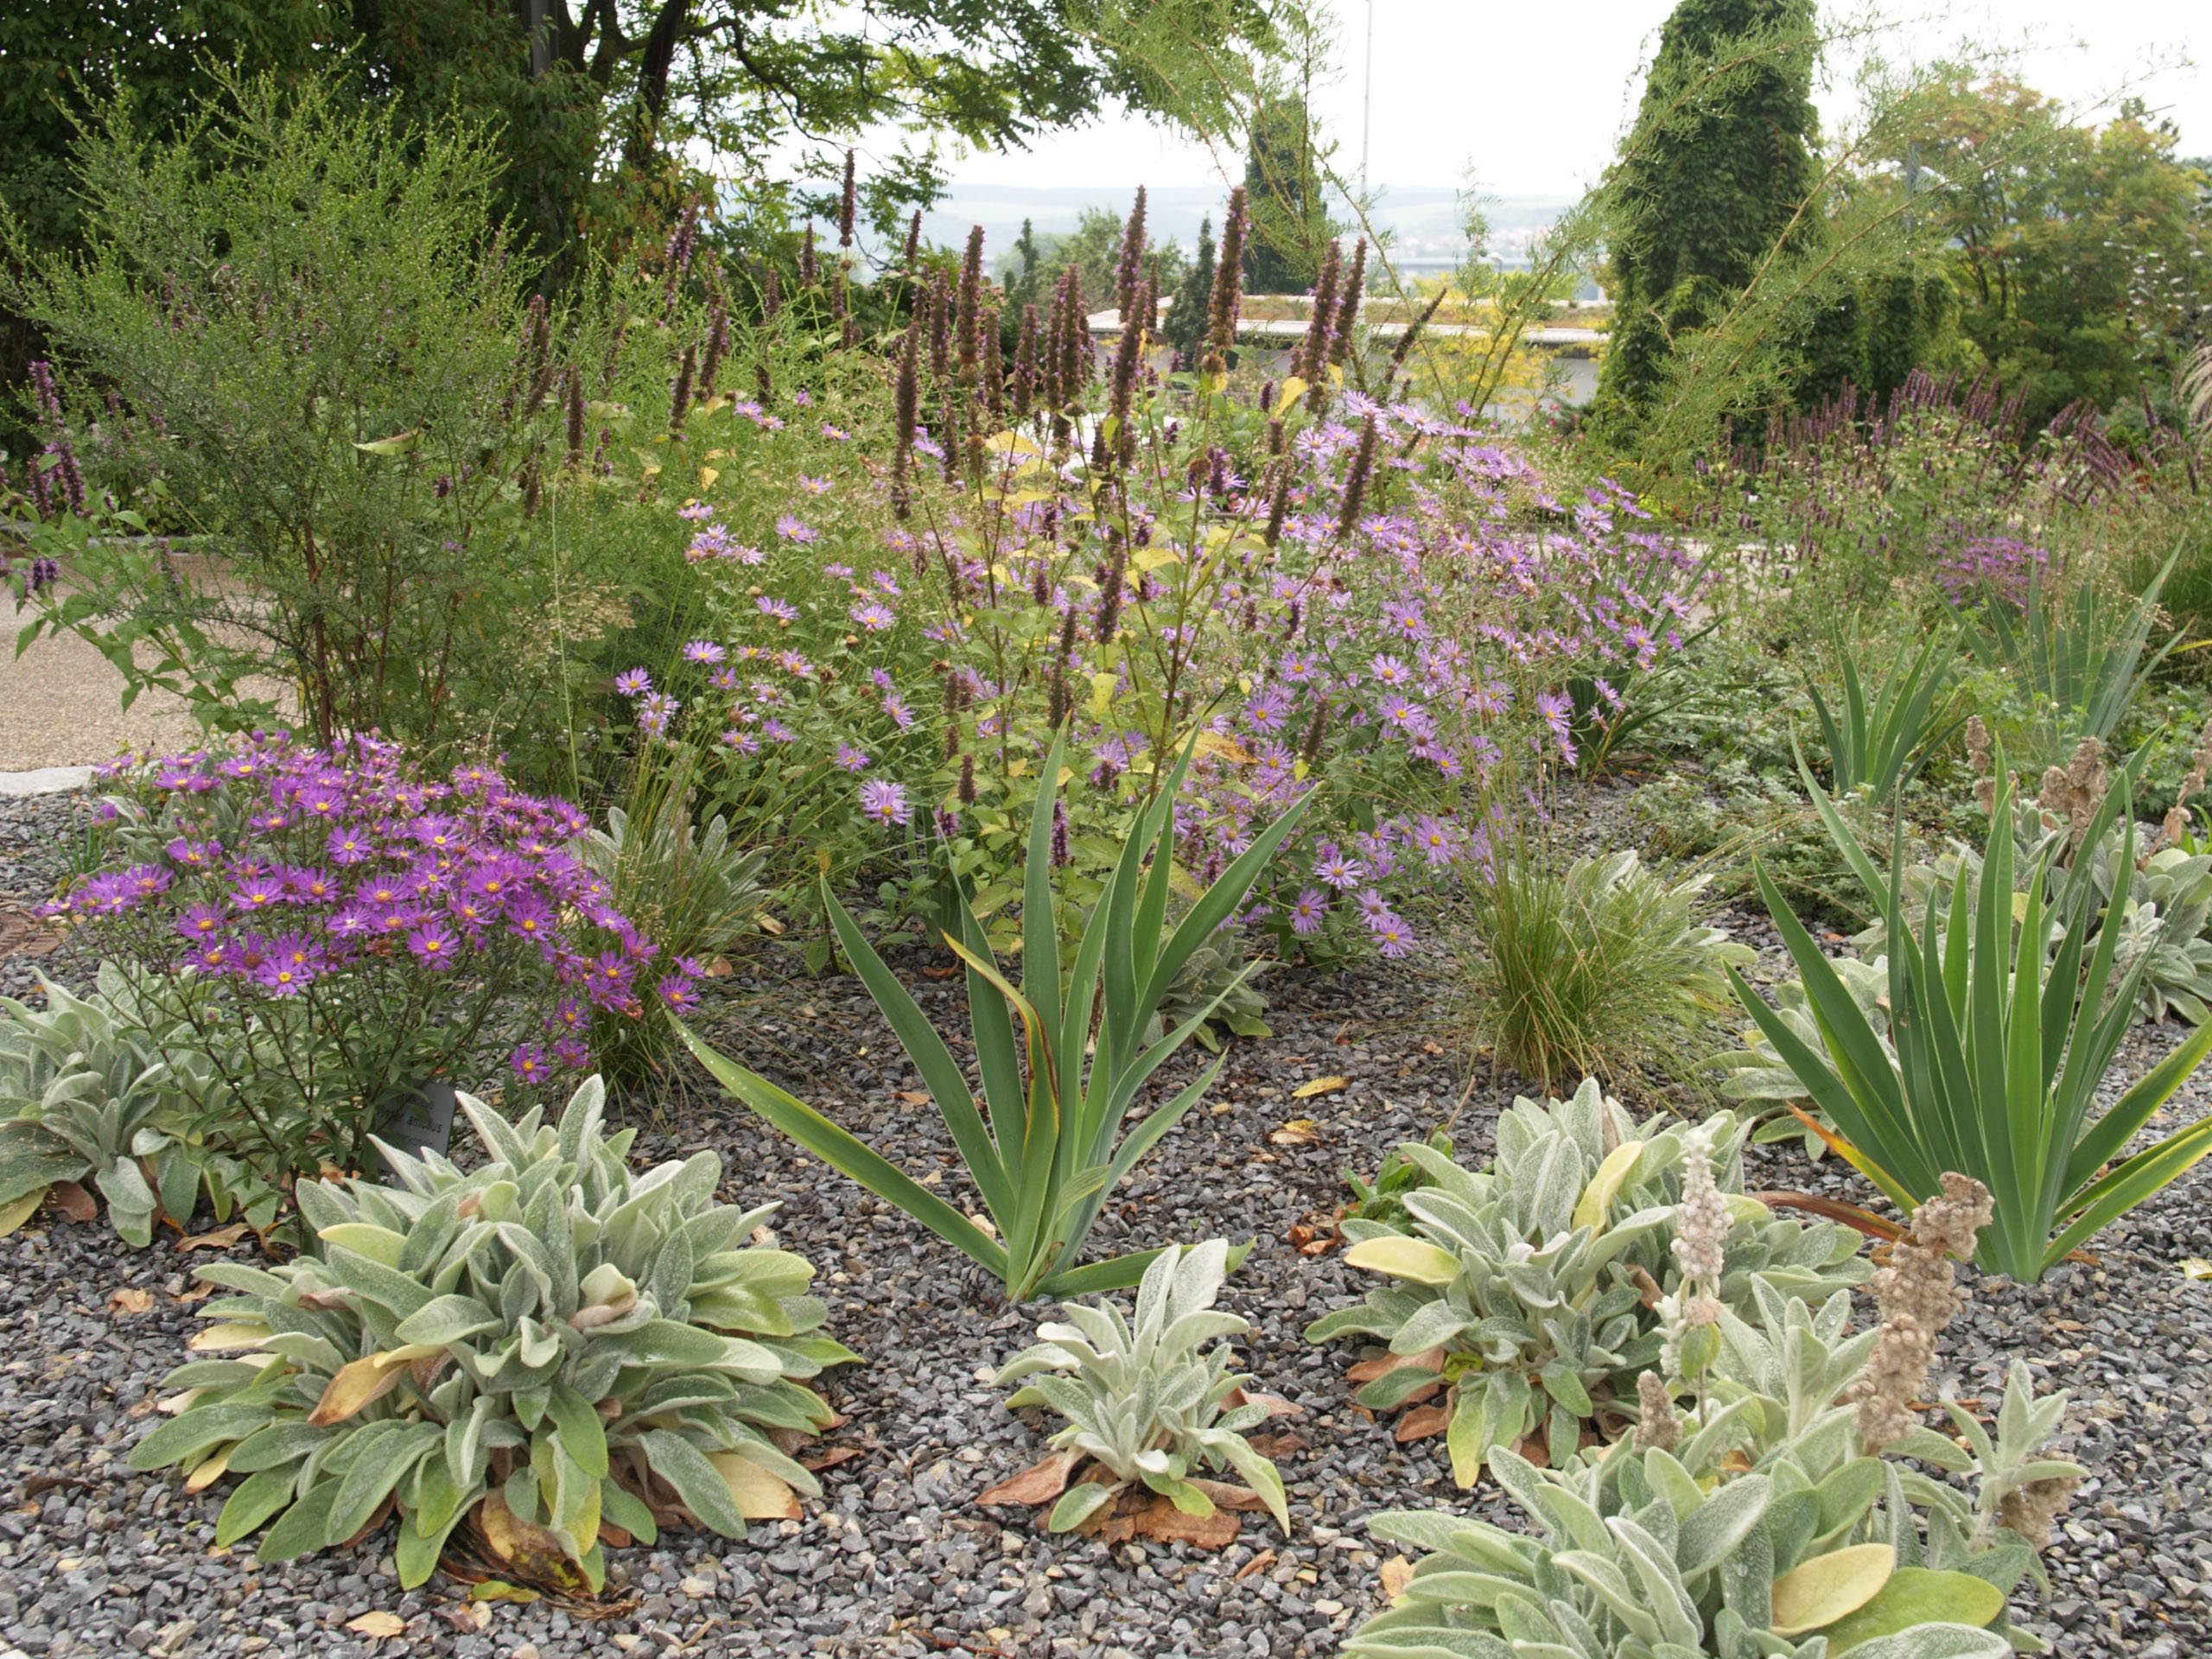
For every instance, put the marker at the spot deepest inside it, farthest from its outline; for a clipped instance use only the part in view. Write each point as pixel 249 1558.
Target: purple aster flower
pixel 1333 869
pixel 885 802
pixel 676 992
pixel 874 615
pixel 705 653
pixel 434 944
pixel 530 1063
pixel 1311 910
pixel 779 609
pixel 633 682
pixel 792 528
pixel 851 760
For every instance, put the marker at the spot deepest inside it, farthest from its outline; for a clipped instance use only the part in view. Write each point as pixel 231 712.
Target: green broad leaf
pixel 257 1498
pixel 416 1557
pixel 198 1429
pixel 697 1483
pixel 301 1531
pixel 623 1508
pixel 1078 1503
pixel 583 1435
pixel 1465 1434
pixel 1916 1595
pixel 1187 1498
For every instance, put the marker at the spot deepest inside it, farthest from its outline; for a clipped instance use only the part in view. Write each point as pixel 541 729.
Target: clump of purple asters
pixel 2001 568
pixel 340 930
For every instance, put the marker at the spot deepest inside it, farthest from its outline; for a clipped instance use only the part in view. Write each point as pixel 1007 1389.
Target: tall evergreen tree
pixel 1187 315
pixel 1720 162
pixel 1282 182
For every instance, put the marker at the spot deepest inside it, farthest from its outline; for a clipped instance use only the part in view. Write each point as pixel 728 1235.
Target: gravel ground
pixel 897 1560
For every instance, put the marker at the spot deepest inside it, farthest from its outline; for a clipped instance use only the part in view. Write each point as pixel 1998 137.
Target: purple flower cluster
pixel 1985 568
pixel 286 872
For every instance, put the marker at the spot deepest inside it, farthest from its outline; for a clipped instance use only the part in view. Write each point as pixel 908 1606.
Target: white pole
pixel 1367 98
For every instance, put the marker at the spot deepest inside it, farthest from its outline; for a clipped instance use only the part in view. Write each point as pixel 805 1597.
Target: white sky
pixel 1534 98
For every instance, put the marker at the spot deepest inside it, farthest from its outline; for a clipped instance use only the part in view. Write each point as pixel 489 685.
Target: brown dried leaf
pixel 1421 1423
pixel 529 1553
pixel 1429 1360
pixel 1160 1520
pixel 130 1299
pixel 73 1201
pixel 1259 1563
pixel 377 1625
pixel 1299 1132
pixel 1320 1086
pixel 1277 1445
pixel 1226 1497
pixel 1537 1449
pixel 1276 1405
pixel 1397 1573
pixel 1040 1482
pixel 221 1239
pixel 831 1459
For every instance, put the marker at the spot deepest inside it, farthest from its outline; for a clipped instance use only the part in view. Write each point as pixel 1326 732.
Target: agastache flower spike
pixel 573 394
pixel 911 258
pixel 1347 315
pixel 710 366
pixel 994 367
pixel 680 403
pixel 971 291
pixel 1228 288
pixel 908 411
pixel 940 304
pixel 1025 364
pixel 848 204
pixel 1363 463
pixel 1313 350
pixel 810 268
pixel 1128 275
pixel 1109 595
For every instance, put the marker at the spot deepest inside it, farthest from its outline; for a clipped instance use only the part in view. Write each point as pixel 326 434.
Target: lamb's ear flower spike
pixel 1918 1296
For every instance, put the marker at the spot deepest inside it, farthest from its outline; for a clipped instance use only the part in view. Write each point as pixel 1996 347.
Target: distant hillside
pixel 1425 220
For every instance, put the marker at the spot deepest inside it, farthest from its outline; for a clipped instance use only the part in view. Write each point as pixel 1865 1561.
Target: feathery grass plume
pixel 679 403
pixel 994 367
pixel 1656 1426
pixel 971 302
pixel 1314 349
pixel 573 397
pixel 1347 317
pixel 1025 364
pixel 1405 345
pixel 1228 288
pixel 1128 273
pixel 848 204
pixel 810 268
pixel 1110 591
pixel 1918 1296
pixel 710 366
pixel 940 303
pixel 1362 464
pixel 907 412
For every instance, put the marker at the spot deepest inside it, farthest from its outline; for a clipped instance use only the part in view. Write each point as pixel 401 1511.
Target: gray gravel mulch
pixel 897 1560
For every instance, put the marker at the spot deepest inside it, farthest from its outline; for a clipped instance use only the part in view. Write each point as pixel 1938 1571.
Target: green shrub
pixel 548 1343
pixel 1047 1151
pixel 1592 970
pixel 1996 1050
pixel 1527 1294
pixel 1141 1401
pixel 325 374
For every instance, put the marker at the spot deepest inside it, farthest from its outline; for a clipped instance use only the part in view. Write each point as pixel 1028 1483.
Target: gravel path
pixel 898 1560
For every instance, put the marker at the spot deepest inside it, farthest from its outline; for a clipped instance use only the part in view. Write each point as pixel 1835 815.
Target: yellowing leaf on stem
pixel 1826 1588
pixel 1605 1185
pixel 758 1494
pixel 1405 1258
pixel 353 1386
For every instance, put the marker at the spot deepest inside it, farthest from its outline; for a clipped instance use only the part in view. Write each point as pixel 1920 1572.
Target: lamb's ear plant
pixel 548 1347
pixel 1049 1149
pixel 1760 1524
pixel 1146 1401
pixel 1878 746
pixel 1997 1049
pixel 1525 1297
pixel 91 1090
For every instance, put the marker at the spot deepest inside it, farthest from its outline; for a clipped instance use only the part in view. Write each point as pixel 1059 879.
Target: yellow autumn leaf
pixel 353 1386
pixel 14 1214
pixel 1822 1591
pixel 1004 443
pixel 1405 1258
pixel 1299 1132
pixel 1605 1185
pixel 758 1494
pixel 1319 1086
pixel 221 1339
pixel 1228 747
pixel 378 1624
pixel 706 477
pixel 1293 388
pixel 210 1469
pixel 1102 693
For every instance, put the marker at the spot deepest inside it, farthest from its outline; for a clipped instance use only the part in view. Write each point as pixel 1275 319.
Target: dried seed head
pixel 1656 1426
pixel 1918 1297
